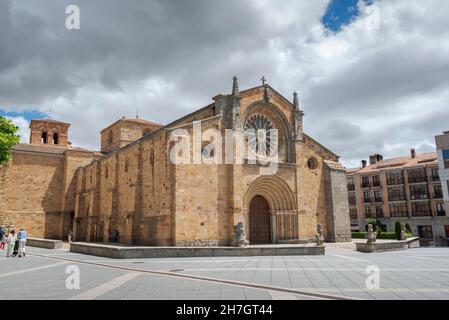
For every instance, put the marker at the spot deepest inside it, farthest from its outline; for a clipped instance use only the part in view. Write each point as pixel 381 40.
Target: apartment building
pixel 442 145
pixel 406 189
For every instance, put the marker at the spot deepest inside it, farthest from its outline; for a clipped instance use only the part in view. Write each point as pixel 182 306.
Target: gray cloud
pixel 363 91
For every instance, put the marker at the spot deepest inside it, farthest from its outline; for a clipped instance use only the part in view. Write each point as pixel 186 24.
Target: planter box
pixel 388 246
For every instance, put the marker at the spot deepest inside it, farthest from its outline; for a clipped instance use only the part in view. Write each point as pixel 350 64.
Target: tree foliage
pixel 8 138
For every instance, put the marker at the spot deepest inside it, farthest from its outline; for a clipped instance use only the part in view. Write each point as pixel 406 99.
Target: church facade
pixel 132 192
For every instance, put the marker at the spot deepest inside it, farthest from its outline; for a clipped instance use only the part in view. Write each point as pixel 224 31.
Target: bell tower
pixel 49 132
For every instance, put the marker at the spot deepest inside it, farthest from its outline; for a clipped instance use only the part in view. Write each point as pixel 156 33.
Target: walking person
pixel 69 235
pixel 22 237
pixel 2 238
pixel 11 243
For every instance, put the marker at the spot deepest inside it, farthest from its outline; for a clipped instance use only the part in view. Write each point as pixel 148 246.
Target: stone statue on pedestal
pixel 239 236
pixel 371 235
pixel 403 232
pixel 319 238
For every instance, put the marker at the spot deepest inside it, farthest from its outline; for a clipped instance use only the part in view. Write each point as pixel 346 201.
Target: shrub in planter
pixel 387 236
pixel 358 235
pixel 408 228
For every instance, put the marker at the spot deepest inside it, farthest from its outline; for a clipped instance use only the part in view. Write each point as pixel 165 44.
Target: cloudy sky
pixel 372 76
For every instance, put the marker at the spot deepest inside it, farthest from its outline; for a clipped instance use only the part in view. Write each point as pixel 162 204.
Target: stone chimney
pixel 372 159
pixel 363 163
pixel 413 153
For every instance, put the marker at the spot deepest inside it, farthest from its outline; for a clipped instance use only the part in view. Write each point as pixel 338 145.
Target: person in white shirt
pixel 11 242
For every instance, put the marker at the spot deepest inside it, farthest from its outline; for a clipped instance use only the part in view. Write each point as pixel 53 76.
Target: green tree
pixel 8 138
pixel 398 229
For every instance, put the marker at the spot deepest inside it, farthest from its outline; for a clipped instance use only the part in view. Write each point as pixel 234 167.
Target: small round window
pixel 312 163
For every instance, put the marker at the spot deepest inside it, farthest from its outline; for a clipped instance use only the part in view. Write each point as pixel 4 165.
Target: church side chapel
pixel 132 193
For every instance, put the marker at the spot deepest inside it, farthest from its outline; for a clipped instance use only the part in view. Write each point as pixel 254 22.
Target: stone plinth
pixel 121 252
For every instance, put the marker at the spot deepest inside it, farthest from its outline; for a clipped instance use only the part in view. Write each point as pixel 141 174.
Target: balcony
pixel 422 213
pixel 366 184
pixel 397 198
pixel 435 178
pixel 417 179
pixel 377 184
pixel 419 196
pixel 438 195
pixel 394 182
pixel 398 214
pixel 441 213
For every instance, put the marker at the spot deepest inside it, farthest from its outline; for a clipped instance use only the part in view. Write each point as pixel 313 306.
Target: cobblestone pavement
pixel 421 273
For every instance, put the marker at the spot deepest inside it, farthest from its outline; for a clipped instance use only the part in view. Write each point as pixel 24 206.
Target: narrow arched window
pixel 44 137
pixel 55 138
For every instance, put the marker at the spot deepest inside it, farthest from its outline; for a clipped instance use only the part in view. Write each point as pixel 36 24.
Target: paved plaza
pixel 421 273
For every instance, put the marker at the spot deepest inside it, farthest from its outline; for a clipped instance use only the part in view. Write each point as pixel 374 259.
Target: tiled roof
pixel 50 120
pixel 422 159
pixel 42 148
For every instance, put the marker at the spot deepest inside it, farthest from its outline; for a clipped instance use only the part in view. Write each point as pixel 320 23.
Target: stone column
pixel 274 236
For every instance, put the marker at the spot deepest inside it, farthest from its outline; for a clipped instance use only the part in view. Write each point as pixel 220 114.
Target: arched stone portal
pixel 259 221
pixel 271 193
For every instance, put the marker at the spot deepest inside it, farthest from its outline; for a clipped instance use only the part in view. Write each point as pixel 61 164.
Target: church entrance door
pixel 259 221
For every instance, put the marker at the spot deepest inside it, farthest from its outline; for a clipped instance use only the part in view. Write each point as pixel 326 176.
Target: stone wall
pixel 337 206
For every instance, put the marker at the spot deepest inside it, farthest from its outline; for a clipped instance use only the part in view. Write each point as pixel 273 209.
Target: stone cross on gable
pixel 263 80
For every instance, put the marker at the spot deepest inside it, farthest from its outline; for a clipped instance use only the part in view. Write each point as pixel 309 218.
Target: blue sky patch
pixel 340 13
pixel 28 115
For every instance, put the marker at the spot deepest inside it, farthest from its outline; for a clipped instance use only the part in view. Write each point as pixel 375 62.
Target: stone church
pixel 130 192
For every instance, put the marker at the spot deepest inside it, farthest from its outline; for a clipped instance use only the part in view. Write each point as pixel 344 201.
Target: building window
pixel 44 137
pixel 353 214
pixel 312 163
pixel 417 175
pixel 55 138
pixel 396 194
pixel 352 199
pixel 394 178
pixel 368 213
pixel 437 192
pixel 152 157
pixel 365 182
pixel 376 181
pixel 418 192
pixel 106 171
pixel 126 165
pixel 435 174
pixel 377 196
pixel 398 210
pixel 425 232
pixel 446 159
pixel 421 209
pixel 367 197
pixel 110 137
pixel 379 212
pixel 351 185
pixel 440 210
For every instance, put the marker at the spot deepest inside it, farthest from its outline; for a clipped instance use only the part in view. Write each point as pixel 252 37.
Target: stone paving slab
pixel 421 273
